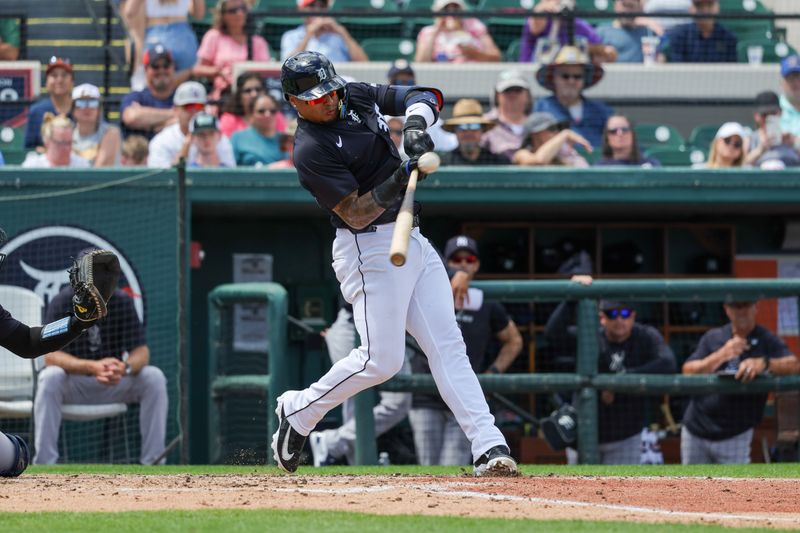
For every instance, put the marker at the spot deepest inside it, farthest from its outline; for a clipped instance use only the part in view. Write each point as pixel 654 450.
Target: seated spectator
pixel 701 41
pixel 258 144
pixel 727 148
pixel 657 7
pixel 149 111
pixel 200 148
pixel 57 135
pixel 468 124
pixel 396 134
pixel 134 152
pixel 568 76
pixel 321 34
pixel 549 142
pixel 790 99
pixel 94 139
pixel 9 39
pixel 234 113
pixel 59 81
pixel 718 428
pixel 769 147
pixel 166 147
pixel 513 103
pixel 455 39
pixel 286 145
pixel 625 33
pixel 544 26
pixel 226 43
pixel 94 369
pixel 620 147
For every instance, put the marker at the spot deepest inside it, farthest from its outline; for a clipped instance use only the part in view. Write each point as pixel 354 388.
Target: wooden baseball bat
pixel 402 226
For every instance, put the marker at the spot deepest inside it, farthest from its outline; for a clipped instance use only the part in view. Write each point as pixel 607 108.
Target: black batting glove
pixel 416 140
pixel 387 193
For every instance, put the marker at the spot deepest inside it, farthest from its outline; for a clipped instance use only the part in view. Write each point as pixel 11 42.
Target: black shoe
pixel 497 461
pixel 21 457
pixel 287 444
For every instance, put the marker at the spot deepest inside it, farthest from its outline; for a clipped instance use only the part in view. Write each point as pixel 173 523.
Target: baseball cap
pixel 729 129
pixel 734 300
pixel 790 65
pixel 190 92
pixel 58 62
pixel 509 79
pixel 86 90
pixel 156 52
pixel 438 5
pixel 458 243
pixel 608 305
pixel 767 102
pixel 203 122
pixel 399 66
pixel 539 121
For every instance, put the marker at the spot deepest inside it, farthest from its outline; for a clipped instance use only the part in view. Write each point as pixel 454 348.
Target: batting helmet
pixel 3 239
pixel 309 75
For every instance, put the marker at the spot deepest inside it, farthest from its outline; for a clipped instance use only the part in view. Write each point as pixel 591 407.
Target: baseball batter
pixel 30 342
pixel 346 159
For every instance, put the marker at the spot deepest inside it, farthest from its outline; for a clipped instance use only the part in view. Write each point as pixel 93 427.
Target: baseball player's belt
pixel 372 228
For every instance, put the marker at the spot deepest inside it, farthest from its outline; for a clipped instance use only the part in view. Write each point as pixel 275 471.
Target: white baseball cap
pixel 438 5
pixel 190 92
pixel 729 129
pixel 86 90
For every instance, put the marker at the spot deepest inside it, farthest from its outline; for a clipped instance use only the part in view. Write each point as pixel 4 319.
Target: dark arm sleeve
pixel 558 324
pixel 703 349
pixel 662 360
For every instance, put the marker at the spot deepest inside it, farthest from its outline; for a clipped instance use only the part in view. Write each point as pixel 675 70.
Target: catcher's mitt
pixel 94 278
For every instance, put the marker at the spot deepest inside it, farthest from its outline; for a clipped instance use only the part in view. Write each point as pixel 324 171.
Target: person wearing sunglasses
pixel 704 40
pixel 168 146
pixel 437 436
pixel 718 428
pixel 568 75
pixel 321 34
pixel 346 159
pixel 625 347
pixel 620 147
pixel 59 81
pixel 94 139
pixel 148 111
pixel 768 146
pixel 512 102
pixel 259 144
pixel 727 149
pixel 546 141
pixel 57 133
pixel 455 39
pixel 469 125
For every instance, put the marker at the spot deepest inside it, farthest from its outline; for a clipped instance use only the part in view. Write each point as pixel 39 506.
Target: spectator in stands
pixel 94 369
pixel 166 147
pixel 550 142
pixel 286 145
pixel 94 139
pixel 59 81
pixel 201 146
pixel 234 115
pixel 568 76
pixel 149 111
pixel 396 133
pixel 228 42
pixel 790 99
pixel 321 34
pixel 657 7
pixel 468 124
pixel 57 134
pixel 9 39
pixel 544 26
pixel 625 33
pixel 701 41
pixel 455 39
pixel 626 347
pixel 512 104
pixel 718 428
pixel 438 438
pixel 768 147
pixel 134 151
pixel 401 73
pixel 258 145
pixel 620 147
pixel 727 148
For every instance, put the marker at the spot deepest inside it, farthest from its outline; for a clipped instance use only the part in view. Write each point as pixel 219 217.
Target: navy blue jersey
pixel 354 152
pixel 721 416
pixel 7 324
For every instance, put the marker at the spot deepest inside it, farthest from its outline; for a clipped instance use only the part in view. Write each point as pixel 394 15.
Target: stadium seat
pixel 653 135
pixel 12 144
pixel 774 52
pixel 701 136
pixel 369 27
pixel 670 156
pixel 742 6
pixel 388 48
pixel 385 5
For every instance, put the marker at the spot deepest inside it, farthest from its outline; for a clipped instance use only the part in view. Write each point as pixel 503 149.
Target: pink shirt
pixel 223 51
pixel 445 47
pixel 230 123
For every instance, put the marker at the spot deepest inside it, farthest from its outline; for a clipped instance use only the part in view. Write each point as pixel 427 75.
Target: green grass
pixel 232 521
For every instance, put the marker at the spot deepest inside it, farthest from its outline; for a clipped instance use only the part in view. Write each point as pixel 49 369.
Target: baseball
pixel 428 162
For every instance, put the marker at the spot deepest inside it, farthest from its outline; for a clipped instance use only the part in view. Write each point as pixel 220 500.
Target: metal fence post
pixel 366 447
pixel 587 368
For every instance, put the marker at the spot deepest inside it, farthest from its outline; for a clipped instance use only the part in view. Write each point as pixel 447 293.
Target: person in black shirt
pixel 468 124
pixel 718 428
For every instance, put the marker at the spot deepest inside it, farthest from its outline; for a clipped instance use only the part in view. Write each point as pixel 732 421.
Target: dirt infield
pixel 729 502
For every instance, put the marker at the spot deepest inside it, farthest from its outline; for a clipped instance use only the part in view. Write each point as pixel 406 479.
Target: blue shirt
pixel 685 44
pixel 250 148
pixel 627 41
pixel 595 116
pixel 329 44
pixel 33 129
pixel 144 98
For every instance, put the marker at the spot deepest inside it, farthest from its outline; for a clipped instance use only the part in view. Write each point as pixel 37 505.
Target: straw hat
pixel 569 55
pixel 467 111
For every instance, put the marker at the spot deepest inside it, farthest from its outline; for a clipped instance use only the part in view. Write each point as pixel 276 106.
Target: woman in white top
pixel 94 139
pixel 57 138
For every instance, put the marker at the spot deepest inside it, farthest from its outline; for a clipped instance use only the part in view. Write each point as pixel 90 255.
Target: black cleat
pixel 287 444
pixel 21 457
pixel 497 461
